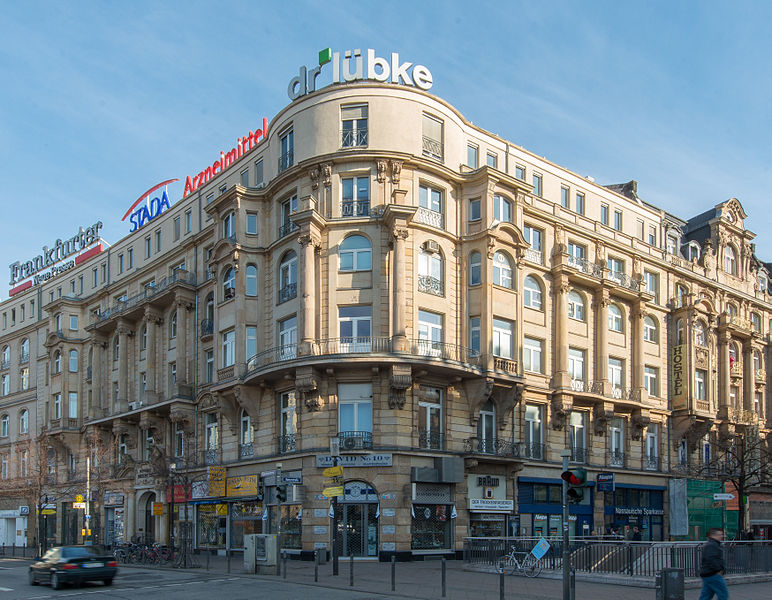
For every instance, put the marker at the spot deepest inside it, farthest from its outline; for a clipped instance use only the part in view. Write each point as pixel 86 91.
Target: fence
pixel 591 555
pixel 19 551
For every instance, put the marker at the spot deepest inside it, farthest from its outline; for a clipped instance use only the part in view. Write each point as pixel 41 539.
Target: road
pixel 372 582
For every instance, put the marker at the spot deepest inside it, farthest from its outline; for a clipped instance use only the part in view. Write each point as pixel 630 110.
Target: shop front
pixel 540 507
pixel 489 508
pixel 630 506
pixel 211 510
pixel 13 526
pixel 245 509
pixel 114 505
pixel 291 508
pixel 357 513
pixel 432 514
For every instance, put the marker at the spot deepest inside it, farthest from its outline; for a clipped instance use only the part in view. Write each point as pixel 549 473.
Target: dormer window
pixel 672 244
pixel 730 260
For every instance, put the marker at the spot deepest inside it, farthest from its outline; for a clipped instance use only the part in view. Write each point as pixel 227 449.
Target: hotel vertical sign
pixel 679 391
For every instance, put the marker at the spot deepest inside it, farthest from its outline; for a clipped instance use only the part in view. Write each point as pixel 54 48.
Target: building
pixel 373 268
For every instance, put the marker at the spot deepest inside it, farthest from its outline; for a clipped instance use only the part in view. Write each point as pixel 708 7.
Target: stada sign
pixel 151 209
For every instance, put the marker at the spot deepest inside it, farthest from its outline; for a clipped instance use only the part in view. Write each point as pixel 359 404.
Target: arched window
pixel 288 276
pixel 210 307
pixel 143 338
pixel 502 270
pixel 730 260
pixel 24 421
pixel 756 360
pixel 700 335
pixel 57 362
pixel 73 361
pixel 532 295
pixel 355 254
pixel 173 326
pixel 251 280
pixel 116 347
pixel 502 209
pixel 576 306
pixel 229 225
pixel 731 310
pixel 5 385
pixel 679 331
pixel 486 428
pixel 681 294
pixel 6 357
pixel 732 353
pixel 756 322
pixel 650 329
pixel 24 353
pixel 247 431
pixel 614 318
pixel 431 272
pixel 475 268
pixel 4 425
pixel 228 284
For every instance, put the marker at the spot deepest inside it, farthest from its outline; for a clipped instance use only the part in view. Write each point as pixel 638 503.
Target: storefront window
pixel 291 526
pixel 246 518
pixel 431 527
pixel 212 519
pixel 487 525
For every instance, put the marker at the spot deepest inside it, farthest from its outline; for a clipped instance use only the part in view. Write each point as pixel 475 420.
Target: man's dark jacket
pixel 712 558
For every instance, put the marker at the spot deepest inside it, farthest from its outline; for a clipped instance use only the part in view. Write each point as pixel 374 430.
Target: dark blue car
pixel 73 564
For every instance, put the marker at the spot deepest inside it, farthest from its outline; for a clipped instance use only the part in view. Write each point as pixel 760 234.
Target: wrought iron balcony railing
pixel 286 160
pixel 211 456
pixel 179 276
pixel 246 450
pixel 586 267
pixel 616 458
pixel 287 228
pixel 493 446
pixel 579 455
pixel 288 292
pixel 431 440
pixel 287 443
pixel 207 327
pixel 355 440
pixel 360 208
pixel 431 285
pixel 353 137
pixel 651 462
pixel 533 451
pixel 431 147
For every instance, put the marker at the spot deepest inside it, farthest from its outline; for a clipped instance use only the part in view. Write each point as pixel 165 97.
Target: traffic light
pixel 576 479
pixel 281 493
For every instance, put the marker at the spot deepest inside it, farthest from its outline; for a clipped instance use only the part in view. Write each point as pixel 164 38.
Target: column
pixel 307 295
pixel 724 376
pixel 638 315
pixel 182 340
pixel 151 322
pixel 561 378
pixel 749 376
pixel 123 364
pixel 400 291
pixel 97 349
pixel 129 515
pixel 601 338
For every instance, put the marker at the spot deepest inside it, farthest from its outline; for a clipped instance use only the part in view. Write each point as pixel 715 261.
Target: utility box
pixel 670 584
pixel 260 553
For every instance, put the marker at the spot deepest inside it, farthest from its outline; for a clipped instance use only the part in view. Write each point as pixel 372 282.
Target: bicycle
pixel 529 565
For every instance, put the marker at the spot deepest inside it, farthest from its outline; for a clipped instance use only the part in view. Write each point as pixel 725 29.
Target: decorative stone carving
pixel 326 173
pixel 306 385
pixel 400 233
pixel 396 170
pixel 381 165
pixel 505 399
pixel 207 402
pixel 601 415
pixel 400 379
pixel 639 420
pixel 313 174
pixel 702 358
pixel 478 391
pixel 559 247
pixel 560 407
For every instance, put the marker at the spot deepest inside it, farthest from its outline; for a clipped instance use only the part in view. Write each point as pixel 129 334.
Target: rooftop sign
pixel 152 208
pixel 352 67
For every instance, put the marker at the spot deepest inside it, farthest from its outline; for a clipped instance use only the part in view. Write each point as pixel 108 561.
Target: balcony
pixel 579 455
pixel 211 456
pixel 431 148
pixel 360 208
pixel 588 387
pixel 287 443
pixel 747 417
pixel 534 256
pixel 207 329
pixel 625 280
pixel 445 351
pixel 431 440
pixel 534 451
pixel 24 358
pixel 616 458
pixel 351 138
pixel 760 374
pixel 5 364
pixel 288 292
pixel 287 228
pixel 736 370
pixel 431 285
pixel 504 364
pixel 286 160
pixel 355 440
pixel 246 450
pixel 585 266
pixel 226 373
pixel 651 463
pixel 492 446
pixel 429 217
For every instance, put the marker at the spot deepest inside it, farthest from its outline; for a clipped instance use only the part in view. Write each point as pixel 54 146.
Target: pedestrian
pixel 712 567
pixel 636 534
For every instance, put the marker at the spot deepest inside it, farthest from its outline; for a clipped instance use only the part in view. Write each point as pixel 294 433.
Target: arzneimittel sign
pixel 58 252
pixel 353 66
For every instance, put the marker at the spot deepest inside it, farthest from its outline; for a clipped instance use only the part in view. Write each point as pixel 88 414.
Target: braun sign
pixel 352 67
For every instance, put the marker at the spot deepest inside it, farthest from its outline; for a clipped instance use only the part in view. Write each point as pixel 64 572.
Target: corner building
pixel 452 308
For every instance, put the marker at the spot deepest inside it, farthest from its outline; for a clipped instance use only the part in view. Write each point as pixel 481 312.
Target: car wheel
pixel 108 581
pixel 56 583
pixel 32 579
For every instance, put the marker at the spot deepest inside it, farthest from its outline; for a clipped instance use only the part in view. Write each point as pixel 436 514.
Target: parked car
pixel 73 564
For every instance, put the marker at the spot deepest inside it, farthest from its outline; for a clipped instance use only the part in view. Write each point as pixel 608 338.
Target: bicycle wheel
pixel 507 564
pixel 531 566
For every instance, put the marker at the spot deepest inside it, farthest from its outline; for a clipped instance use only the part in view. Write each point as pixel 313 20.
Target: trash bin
pixel 670 584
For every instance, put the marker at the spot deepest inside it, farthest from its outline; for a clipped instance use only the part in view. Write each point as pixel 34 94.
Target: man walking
pixel 712 567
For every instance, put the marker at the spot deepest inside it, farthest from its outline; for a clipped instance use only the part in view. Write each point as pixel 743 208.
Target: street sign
pixel 291 479
pixel 604 482
pixel 81 505
pixel 48 511
pixel 333 472
pixel 723 496
pixel 78 498
pixel 333 491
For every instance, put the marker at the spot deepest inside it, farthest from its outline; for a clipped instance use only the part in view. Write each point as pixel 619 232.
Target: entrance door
pixel 359 530
pixel 149 520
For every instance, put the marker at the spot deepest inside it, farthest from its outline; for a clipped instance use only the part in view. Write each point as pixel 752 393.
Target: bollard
pixel 228 559
pixel 207 560
pixel 351 570
pixel 13 549
pixel 572 581
pixel 284 560
pixel 444 565
pixel 501 584
pixel 393 571
pixel 316 566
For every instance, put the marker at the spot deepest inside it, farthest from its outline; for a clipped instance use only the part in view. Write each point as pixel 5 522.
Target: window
pixel 604 213
pixel 430 417
pixel 24 378
pixel 6 357
pixel 733 354
pixel 259 180
pixel 576 307
pixel 672 245
pixel 618 220
pixel 682 295
pixel 120 264
pixel 432 137
pixel 576 367
pixel 492 160
pixel 288 208
pixel 143 339
pixel 616 442
pixel 472 152
pixel 251 223
pixel 430 332
pixel 502 209
pixel 565 197
pixel 209 359
pixel 212 431
pixel 288 338
pixel 532 294
pixel 173 326
pixel 533 431
pixel 287 156
pixel 474 334
pixel 57 361
pixel 651 380
pixel 73 322
pixel 355 196
pixel 148 252
pixel 158 241
pixel 650 330
pixel 5 384
pixel 355 323
pixel 229 226
pixel 24 350
pixel 288 277
pixel 520 172
pixel 244 177
pixel 577 435
pixel 475 268
pixel 532 355
pixel 228 348
pixel 430 198
pixel 430 272
pixel 354 124
pixel 24 463
pixel 73 361
pixel 355 407
pixel 179 440
pixel 246 431
pixel 730 260
pixel 4 425
pixel 537 191
pixel 700 379
pixel 576 253
pixel 355 254
pixel 652 235
pixel 502 270
pixel 288 422
pixel 503 338
pixel 616 373
pixel 700 335
pixel 72 405
pixel 639 228
pixel 475 213
pixel 58 322
pixel 693 251
pixel 188 221
pixel 4 467
pixel 251 280
pixel 652 284
pixel 57 406
pixel 763 282
pixel 24 421
pixel 756 360
pixel 614 318
pixel 616 268
pixel 756 322
pixel 579 203
pixel 534 237
pixel 228 284
pixel 177 227
pixel 652 445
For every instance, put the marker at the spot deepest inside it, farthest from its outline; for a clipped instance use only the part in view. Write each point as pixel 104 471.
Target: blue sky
pixel 101 100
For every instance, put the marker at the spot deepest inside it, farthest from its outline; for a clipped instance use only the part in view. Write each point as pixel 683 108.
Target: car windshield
pixel 81 551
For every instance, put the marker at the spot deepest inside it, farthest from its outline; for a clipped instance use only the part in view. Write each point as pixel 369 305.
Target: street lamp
pixel 172 473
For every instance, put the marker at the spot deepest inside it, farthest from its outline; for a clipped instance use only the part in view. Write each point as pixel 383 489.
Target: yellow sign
pixel 333 472
pixel 222 510
pixel 78 498
pixel 216 481
pixel 333 481
pixel 333 491
pixel 158 509
pixel 48 511
pixel 78 504
pixel 242 485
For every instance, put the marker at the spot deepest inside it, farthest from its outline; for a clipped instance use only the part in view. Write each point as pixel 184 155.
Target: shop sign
pixel 355 460
pixel 389 512
pixel 636 510
pixel 216 478
pixel 293 479
pixel 431 493
pixel 23 510
pixel 9 514
pixel 388 496
pixel 604 482
pixel 678 369
pixel 491 505
pixel 113 499
pixel 145 475
pixel 181 493
pixel 320 530
pixel 487 481
pixel 352 67
pixel 486 486
pixel 241 485
pixel 158 509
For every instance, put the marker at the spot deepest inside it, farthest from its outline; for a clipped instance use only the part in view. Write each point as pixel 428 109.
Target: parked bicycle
pixel 524 563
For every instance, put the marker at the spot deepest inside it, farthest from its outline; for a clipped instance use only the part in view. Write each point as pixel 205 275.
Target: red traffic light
pixel 575 477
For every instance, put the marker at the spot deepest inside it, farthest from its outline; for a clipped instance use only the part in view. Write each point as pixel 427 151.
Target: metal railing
pixel 287 443
pixel 586 267
pixel 211 457
pixel 431 285
pixel 350 208
pixel 579 455
pixel 246 450
pixel 429 217
pixel 352 345
pixel 288 292
pixel 494 446
pixel 287 228
pixel 445 351
pixel 353 137
pixel 431 440
pixel 179 276
pixel 431 147
pixel 588 387
pixel 5 364
pixel 534 256
pixel 651 463
pixel 355 440
pixel 616 458
pixel 207 327
pixel 286 160
pixel 534 451
pixel 625 280
pixel 23 358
